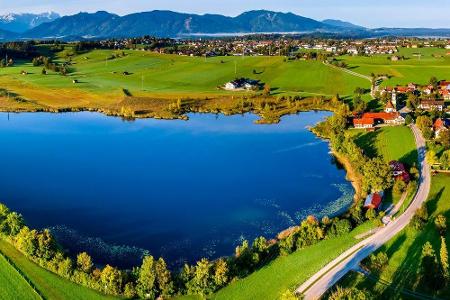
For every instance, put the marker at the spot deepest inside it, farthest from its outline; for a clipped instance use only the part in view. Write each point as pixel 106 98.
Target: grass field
pixel 13 285
pixel 50 285
pixel 392 143
pixel 405 250
pixel 433 62
pixel 170 76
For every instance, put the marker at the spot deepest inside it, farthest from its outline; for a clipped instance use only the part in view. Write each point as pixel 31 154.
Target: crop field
pixel 101 80
pixel 418 67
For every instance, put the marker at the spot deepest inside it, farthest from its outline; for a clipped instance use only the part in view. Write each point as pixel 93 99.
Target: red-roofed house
pixel 439 126
pixel 373 200
pixel 432 105
pixel 393 118
pixel 364 123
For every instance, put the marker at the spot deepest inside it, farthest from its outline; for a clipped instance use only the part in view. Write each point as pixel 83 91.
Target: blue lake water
pixel 181 189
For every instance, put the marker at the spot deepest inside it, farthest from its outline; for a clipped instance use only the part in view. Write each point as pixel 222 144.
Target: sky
pixel 369 13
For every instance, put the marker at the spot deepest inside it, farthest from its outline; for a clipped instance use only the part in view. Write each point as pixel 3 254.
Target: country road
pixel 320 282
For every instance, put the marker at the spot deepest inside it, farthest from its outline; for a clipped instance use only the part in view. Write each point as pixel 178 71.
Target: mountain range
pixel 172 24
pixel 19 23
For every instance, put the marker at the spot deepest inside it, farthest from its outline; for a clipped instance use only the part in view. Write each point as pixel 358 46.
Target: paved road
pixel 320 282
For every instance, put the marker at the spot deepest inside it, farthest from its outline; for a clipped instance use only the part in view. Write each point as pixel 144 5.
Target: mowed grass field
pixel 404 252
pixel 13 285
pixel 432 62
pixel 392 143
pixel 171 76
pixel 50 285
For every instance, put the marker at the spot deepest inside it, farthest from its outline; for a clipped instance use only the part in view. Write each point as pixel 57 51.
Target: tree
pixel 260 245
pixel 429 265
pixel 371 214
pixel 379 261
pixel 111 278
pixel 408 119
pixel 441 223
pixel 431 157
pixel 377 175
pixel 288 295
pixel 12 224
pixel 84 262
pixel 163 278
pixel 425 124
pixel 434 82
pixel 445 160
pixel 129 291
pixel 65 268
pixel 201 282
pixel 349 294
pixel 266 90
pixel 220 273
pixel 146 279
pixel 443 255
pixel 399 187
pixel 444 138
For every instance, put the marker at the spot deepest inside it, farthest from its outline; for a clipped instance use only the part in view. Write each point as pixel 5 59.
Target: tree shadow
pixel 367 141
pixel 410 159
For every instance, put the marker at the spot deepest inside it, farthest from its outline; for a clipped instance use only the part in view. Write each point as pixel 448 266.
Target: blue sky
pixel 392 13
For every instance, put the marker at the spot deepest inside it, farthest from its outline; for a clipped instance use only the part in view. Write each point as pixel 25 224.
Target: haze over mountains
pixel 172 24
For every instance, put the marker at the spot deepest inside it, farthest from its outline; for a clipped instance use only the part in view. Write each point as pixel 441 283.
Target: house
pixel 440 125
pixel 399 171
pixel 432 105
pixel 392 118
pixel 428 90
pixel 241 84
pixel 364 123
pixel 374 200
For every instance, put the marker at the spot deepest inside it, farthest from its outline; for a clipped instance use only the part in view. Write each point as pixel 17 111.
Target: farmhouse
pixel 392 118
pixel 432 105
pixel 242 84
pixel 364 123
pixel 373 200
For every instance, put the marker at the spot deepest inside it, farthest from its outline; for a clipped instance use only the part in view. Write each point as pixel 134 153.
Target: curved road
pixel 320 282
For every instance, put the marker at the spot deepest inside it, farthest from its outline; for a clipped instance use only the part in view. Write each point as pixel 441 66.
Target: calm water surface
pixel 178 189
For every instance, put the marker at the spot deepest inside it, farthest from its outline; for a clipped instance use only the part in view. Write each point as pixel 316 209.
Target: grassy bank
pixel 50 285
pixel 404 252
pixel 12 283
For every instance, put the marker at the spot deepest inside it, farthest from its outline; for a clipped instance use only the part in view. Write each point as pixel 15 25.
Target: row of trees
pixel 50 65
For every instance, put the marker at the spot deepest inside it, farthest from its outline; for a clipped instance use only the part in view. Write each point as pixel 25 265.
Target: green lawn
pixel 392 143
pixel 13 285
pixel 50 285
pixel 405 250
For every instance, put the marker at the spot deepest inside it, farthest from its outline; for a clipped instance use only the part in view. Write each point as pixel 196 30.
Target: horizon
pixel 367 15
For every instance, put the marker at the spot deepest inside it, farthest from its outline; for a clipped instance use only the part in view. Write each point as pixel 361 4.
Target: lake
pixel 180 189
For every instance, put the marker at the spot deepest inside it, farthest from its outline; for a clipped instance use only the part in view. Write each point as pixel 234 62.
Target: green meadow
pixel 392 143
pixel 404 252
pixel 415 68
pixel 172 76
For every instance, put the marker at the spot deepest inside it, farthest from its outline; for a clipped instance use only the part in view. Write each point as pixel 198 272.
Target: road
pixel 320 282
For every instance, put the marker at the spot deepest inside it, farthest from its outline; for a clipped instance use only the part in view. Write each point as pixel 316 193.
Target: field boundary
pixel 22 275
